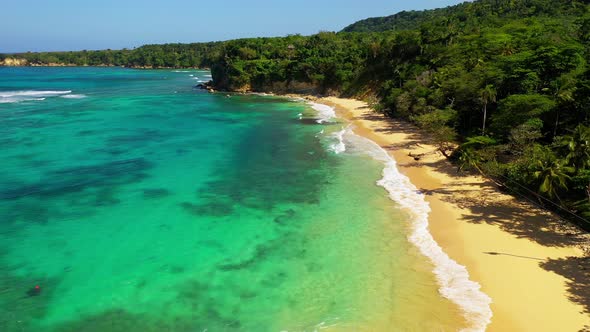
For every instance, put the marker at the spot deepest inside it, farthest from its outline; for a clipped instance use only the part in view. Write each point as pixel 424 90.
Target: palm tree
pixel 553 176
pixel 488 94
pixel 577 147
pixel 469 156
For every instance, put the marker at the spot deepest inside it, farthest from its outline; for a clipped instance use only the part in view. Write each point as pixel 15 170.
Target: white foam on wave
pixel 15 100
pixel 74 96
pixel 452 277
pixel 325 112
pixel 29 95
pixel 208 75
pixel 339 146
pixel 181 71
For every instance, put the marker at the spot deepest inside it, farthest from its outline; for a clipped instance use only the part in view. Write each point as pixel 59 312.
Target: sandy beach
pixel 527 260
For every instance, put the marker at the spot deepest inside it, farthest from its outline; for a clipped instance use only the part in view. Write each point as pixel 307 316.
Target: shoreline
pixel 524 258
pixel 70 65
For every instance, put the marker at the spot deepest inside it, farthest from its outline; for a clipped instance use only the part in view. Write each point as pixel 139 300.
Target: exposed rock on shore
pixel 13 62
pixel 206 86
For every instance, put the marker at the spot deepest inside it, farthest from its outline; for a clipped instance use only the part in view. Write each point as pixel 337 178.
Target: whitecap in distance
pixel 74 96
pixel 29 95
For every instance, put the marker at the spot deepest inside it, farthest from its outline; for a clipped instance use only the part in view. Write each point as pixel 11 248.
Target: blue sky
pixel 55 25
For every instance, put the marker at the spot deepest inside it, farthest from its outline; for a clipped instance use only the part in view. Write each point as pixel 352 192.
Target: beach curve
pixel 526 294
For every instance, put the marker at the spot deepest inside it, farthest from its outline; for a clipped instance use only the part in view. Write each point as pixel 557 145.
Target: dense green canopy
pixel 148 56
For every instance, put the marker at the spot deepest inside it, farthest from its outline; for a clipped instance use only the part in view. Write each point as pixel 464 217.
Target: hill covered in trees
pixel 503 86
pixel 197 55
pixel 469 14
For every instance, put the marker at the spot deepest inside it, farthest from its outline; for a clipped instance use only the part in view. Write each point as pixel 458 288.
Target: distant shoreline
pixel 3 64
pixel 523 257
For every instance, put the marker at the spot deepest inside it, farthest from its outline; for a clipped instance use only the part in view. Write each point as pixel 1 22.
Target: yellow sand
pixel 528 261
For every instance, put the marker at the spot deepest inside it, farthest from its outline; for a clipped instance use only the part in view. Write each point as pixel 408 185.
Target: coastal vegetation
pixel 196 55
pixel 503 86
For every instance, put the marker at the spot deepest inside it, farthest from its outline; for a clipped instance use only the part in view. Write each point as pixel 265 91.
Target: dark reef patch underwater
pixel 137 203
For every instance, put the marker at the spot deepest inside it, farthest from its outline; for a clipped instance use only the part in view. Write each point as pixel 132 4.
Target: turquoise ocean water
pixel 138 203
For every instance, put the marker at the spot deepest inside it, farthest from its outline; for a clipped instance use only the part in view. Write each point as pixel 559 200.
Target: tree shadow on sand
pixel 577 272
pixel 518 218
pixel 483 199
pixel 486 203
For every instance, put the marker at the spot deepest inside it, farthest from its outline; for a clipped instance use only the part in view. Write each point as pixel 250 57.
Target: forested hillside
pixel 508 80
pixel 469 14
pixel 147 56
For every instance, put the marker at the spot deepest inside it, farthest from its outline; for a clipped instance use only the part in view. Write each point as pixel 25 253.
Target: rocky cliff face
pixel 13 62
pixel 227 78
pixel 287 87
pixel 280 87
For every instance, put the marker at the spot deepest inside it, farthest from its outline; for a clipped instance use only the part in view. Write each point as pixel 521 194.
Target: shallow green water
pixel 137 203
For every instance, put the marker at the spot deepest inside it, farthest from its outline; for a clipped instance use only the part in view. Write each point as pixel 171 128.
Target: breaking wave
pixel 325 112
pixel 452 277
pixel 339 146
pixel 73 96
pixel 29 95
